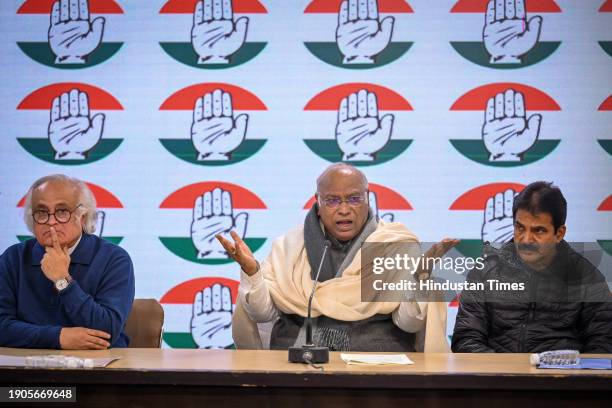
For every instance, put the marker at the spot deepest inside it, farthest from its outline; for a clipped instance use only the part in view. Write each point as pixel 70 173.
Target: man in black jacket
pixel 559 299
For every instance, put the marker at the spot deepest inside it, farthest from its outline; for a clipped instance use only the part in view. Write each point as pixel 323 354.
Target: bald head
pixel 341 170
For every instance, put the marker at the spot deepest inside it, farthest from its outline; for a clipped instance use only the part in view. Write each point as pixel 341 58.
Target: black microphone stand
pixel 310 353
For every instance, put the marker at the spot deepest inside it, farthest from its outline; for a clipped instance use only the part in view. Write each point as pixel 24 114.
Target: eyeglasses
pixel 335 202
pixel 61 215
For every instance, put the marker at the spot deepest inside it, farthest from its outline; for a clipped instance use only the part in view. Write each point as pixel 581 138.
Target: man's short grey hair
pixel 340 167
pixel 86 199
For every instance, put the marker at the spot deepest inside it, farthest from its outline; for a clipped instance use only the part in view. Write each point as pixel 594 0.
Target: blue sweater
pixel 32 312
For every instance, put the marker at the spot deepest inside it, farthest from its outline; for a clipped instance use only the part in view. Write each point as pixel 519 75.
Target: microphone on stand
pixel 309 352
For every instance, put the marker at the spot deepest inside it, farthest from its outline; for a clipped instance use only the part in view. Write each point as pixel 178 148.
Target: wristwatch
pixel 63 283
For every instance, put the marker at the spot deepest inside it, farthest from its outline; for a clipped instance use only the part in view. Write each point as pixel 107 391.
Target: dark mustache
pixel 528 247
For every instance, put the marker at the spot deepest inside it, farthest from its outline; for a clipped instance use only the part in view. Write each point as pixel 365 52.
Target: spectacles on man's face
pixel 335 202
pixel 62 215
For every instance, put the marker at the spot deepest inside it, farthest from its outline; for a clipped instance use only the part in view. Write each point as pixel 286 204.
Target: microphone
pixel 309 352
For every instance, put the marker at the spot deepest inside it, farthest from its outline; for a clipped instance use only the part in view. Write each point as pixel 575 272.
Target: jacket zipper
pixel 532 305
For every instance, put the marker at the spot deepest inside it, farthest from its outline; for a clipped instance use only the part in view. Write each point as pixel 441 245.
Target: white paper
pixel 376 359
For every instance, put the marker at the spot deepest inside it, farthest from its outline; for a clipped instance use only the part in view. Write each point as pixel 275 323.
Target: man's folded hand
pixel 82 338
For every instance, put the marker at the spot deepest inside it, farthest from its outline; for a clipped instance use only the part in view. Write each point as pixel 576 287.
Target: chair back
pixel 144 324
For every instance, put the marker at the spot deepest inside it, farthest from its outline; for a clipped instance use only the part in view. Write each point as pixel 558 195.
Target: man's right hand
pixel 239 252
pixel 82 338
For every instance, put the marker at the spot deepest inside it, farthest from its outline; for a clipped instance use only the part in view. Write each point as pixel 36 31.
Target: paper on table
pixel 376 359
pixel 14 361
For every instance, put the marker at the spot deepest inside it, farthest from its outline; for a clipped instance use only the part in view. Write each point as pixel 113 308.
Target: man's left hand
pixel 436 251
pixel 56 260
pixel 441 248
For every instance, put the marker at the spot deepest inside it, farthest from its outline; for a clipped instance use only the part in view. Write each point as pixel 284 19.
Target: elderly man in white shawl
pixel 279 288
